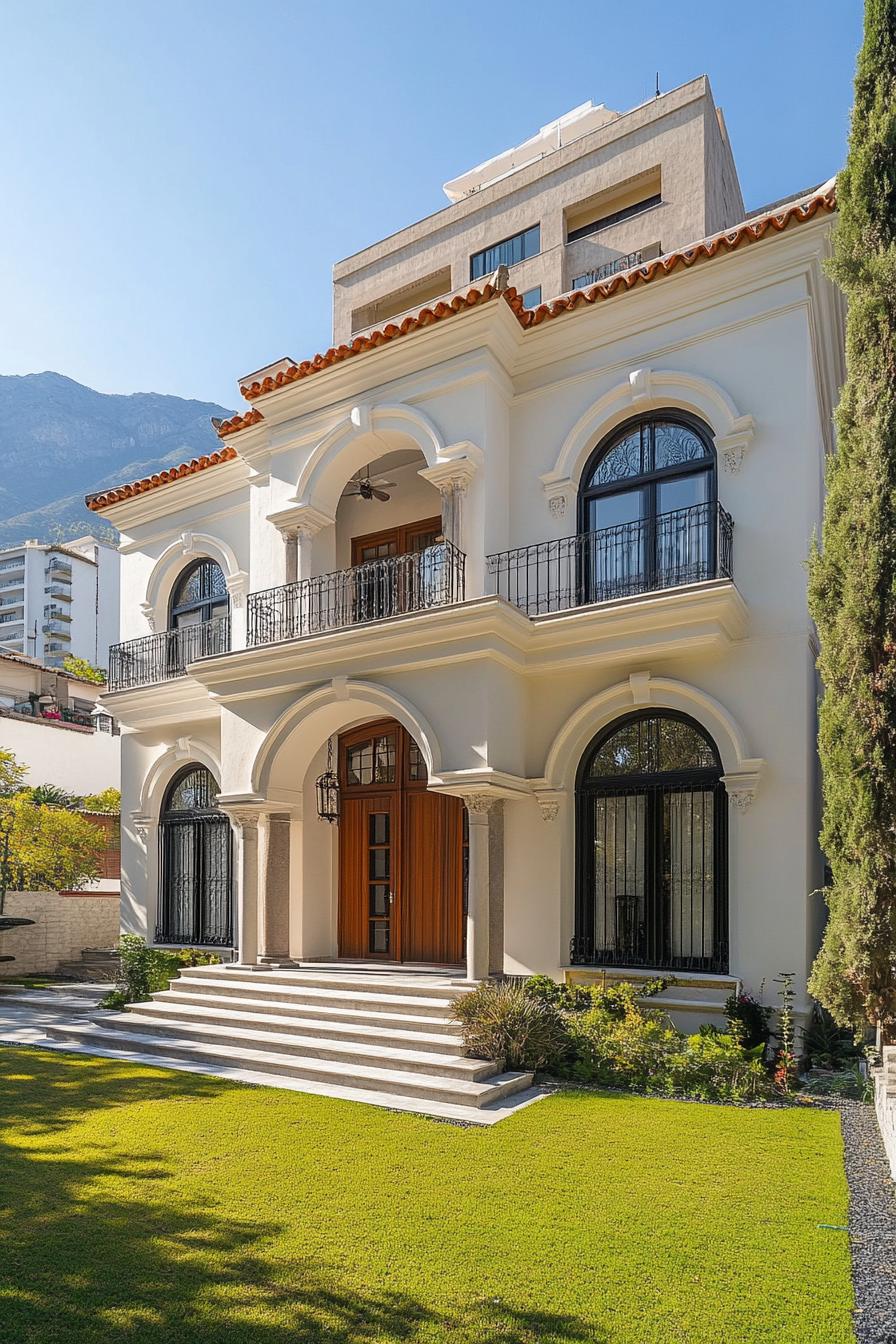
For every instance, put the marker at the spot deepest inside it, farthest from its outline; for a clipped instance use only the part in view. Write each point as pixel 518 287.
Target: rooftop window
pixel 509 252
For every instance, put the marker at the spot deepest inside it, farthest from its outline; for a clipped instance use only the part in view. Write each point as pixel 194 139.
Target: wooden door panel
pixel 432 885
pixel 368 845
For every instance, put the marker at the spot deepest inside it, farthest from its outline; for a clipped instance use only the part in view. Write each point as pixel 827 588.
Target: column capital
pixel 301 520
pixel 480 804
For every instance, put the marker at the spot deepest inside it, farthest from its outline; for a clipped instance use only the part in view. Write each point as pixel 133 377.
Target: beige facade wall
pixel 677 135
pixel 63 927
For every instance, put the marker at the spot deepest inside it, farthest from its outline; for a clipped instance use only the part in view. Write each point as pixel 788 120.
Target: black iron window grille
pixel 160 657
pixel 195 901
pixel 594 277
pixel 394 585
pixel 685 546
pixel 652 848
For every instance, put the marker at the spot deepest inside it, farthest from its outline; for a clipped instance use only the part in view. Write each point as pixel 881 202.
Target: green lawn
pixel 145 1207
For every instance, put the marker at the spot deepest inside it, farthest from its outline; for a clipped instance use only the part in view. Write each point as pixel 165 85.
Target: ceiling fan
pixel 365 488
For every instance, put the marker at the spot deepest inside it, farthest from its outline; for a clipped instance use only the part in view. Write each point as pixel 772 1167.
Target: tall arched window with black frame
pixel 652 847
pixel 199 615
pixel 195 899
pixel 648 513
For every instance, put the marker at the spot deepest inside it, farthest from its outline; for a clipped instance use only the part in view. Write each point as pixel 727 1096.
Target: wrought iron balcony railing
pixel 160 657
pixel 609 268
pixel 395 585
pixel 685 546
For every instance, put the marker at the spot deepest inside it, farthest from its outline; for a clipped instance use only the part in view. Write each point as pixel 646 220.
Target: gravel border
pixel 872 1224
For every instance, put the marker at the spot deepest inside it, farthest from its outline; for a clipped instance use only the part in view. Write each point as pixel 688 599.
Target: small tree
pixel 109 800
pixel 41 846
pixel 852 587
pixel 79 667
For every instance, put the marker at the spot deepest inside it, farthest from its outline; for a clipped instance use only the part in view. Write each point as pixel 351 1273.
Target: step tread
pixel 271 1021
pixel 319 1011
pixel 295 1042
pixel 394 984
pixel 261 985
pixel 423 1082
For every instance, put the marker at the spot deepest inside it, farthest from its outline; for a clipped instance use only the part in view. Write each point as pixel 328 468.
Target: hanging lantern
pixel 328 790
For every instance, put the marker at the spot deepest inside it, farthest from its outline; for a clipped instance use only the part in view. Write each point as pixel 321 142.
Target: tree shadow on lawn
pixel 97 1245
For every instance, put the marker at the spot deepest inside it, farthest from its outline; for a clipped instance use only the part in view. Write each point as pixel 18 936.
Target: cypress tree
pixel 852 585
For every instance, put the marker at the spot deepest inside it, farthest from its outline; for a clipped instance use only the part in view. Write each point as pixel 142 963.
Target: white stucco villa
pixel 525 561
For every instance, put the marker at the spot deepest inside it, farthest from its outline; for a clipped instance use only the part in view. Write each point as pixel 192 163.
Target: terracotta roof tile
pixel 436 312
pixel 728 241
pixel 104 498
pixel 225 427
pixel 719 244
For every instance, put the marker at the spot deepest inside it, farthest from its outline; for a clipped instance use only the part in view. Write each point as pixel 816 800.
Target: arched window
pixel 200 610
pixel 652 853
pixel 195 907
pixel 200 594
pixel 647 506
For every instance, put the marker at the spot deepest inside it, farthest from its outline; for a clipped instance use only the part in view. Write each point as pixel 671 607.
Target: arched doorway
pixel 401 852
pixel 652 853
pixel 195 905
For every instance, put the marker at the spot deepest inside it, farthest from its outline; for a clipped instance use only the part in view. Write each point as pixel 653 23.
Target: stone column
pixel 291 544
pixel 478 807
pixel 273 878
pixel 246 824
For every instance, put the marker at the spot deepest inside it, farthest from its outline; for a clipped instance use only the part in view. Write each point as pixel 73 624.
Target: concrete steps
pixel 388 1038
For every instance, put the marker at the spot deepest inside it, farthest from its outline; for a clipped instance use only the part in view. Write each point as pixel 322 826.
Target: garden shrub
pixel 749 1019
pixel 502 1021
pixel 604 1034
pixel 144 971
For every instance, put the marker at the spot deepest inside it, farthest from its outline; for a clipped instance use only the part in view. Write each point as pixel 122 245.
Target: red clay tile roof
pixel 337 353
pixel 119 492
pixel 225 427
pixel 751 231
pixel 719 243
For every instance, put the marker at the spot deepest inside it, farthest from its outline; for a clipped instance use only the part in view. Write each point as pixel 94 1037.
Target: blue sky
pixel 180 175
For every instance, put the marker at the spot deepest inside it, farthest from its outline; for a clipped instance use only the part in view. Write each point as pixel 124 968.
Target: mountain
pixel 60 441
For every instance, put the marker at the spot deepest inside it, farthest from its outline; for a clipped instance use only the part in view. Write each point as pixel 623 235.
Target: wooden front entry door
pixel 401 853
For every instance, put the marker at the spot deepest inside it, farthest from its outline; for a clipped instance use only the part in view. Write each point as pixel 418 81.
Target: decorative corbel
pixel 733 446
pixel 149 612
pixel 640 384
pixel 639 685
pixel 237 587
pixel 183 749
pixel 558 492
pixel 140 824
pixel 549 801
pixel 742 785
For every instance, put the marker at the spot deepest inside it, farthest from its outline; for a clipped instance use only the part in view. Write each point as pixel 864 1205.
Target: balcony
pixel 161 657
pixel 62 568
pixel 58 590
pixel 12 564
pixel 687 546
pixel 59 628
pixel 594 277
pixel 395 585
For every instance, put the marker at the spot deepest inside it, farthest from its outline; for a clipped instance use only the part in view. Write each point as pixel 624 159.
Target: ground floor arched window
pixel 195 902
pixel 652 847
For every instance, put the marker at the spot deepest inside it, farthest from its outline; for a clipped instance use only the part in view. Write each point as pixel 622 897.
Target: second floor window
pixel 508 252
pixel 200 595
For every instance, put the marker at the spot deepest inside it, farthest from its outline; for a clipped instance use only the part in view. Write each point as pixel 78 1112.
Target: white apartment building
pixel 60 599
pixel 482 642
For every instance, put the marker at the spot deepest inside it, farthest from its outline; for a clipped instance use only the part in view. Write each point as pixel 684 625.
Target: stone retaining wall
pixel 64 924
pixel 885 1102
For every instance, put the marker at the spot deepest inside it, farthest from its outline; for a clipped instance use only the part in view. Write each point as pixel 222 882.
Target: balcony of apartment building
pixel 58 569
pixel 613 231
pixel 17 563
